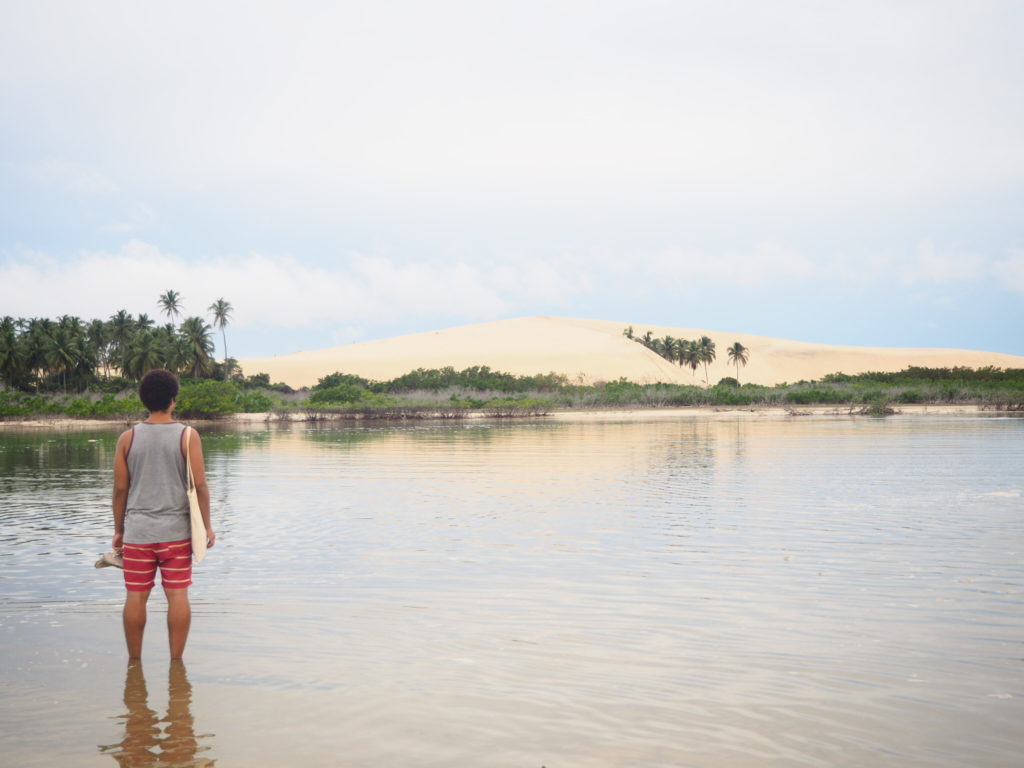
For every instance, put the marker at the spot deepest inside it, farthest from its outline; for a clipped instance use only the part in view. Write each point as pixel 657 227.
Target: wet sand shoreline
pixel 561 414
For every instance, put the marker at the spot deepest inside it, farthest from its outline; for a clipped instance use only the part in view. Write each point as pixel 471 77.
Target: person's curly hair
pixel 157 389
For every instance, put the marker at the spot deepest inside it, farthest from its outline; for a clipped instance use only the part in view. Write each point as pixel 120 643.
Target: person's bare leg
pixel 179 619
pixel 134 617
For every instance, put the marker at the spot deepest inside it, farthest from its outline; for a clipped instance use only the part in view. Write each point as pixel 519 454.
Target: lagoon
pixel 687 590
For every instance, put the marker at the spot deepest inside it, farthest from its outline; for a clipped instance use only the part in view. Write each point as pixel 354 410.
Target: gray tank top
pixel 158 486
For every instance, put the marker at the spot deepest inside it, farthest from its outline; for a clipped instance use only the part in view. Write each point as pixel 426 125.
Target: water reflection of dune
pixel 170 742
pixel 524 463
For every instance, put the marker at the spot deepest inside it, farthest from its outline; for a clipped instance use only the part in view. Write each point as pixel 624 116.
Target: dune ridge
pixel 588 351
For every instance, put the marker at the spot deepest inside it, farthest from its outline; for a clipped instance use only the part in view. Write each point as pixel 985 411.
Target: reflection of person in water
pixel 141 725
pixel 144 742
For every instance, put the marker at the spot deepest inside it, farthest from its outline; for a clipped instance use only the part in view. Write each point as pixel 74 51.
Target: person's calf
pixel 134 619
pixel 179 620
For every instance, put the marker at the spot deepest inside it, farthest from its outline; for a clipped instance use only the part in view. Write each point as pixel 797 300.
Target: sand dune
pixel 595 350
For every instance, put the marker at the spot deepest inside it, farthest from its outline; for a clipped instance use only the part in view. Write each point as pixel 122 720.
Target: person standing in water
pixel 152 527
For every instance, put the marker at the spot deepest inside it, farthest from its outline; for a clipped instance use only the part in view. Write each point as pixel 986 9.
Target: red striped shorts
pixel 173 557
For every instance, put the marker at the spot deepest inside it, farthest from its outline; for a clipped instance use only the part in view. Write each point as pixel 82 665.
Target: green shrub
pixel 126 406
pixel 950 392
pixel 366 401
pixel 337 379
pixel 478 377
pixel 53 406
pixel 256 402
pixel 811 395
pixel 207 398
pixel 910 396
pixel 878 406
pixel 836 378
pixel 342 392
pixel 12 403
pixel 872 395
pixel 114 385
pixel 79 407
pixel 730 395
pixel 686 396
pixel 256 381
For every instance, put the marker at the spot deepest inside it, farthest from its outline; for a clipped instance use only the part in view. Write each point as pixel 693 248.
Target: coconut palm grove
pixel 70 354
pixel 689 353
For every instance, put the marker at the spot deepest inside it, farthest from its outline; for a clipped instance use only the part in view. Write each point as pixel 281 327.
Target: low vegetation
pixel 448 393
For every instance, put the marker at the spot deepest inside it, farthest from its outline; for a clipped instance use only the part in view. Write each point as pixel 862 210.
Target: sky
pixel 837 172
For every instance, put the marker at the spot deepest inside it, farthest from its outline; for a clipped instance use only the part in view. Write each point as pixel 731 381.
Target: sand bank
pixel 565 414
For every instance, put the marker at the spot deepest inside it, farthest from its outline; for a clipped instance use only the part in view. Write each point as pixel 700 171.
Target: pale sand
pixel 257 420
pixel 588 351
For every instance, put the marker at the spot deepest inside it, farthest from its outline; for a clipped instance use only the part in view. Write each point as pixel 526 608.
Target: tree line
pixel 446 392
pixel 41 354
pixel 690 353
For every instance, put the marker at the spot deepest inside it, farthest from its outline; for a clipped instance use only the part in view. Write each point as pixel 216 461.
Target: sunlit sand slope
pixel 595 350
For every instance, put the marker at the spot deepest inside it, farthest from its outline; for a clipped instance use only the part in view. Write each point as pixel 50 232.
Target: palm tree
pixel 164 337
pixel 60 352
pixel 669 346
pixel 738 355
pixel 681 347
pixel 177 353
pixel 142 356
pixel 24 355
pixel 628 332
pixel 196 333
pixel 707 354
pixel 221 310
pixel 647 339
pixel 122 325
pixel 692 356
pixel 122 329
pixel 98 337
pixel 170 303
pixel 37 337
pixel 144 322
pixel 69 322
pixel 86 360
pixel 10 357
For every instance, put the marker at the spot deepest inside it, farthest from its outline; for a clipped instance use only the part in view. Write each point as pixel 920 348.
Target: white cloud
pixel 765 262
pixel 276 290
pixel 931 266
pixel 1010 272
pixel 71 176
pixel 140 217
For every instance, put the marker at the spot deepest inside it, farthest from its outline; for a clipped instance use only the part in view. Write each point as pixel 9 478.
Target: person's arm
pixel 121 482
pixel 202 489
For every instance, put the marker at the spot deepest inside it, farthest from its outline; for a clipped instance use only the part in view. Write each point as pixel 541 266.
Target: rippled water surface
pixel 673 591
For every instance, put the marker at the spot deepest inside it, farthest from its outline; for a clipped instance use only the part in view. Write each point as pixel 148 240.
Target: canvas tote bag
pixel 198 526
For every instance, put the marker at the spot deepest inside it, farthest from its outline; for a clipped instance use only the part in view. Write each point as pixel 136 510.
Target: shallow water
pixel 682 591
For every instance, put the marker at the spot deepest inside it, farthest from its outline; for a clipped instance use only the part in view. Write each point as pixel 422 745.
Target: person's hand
pixel 117 543
pixel 211 538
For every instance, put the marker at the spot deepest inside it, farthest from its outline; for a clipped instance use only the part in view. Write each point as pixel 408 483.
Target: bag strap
pixel 188 458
